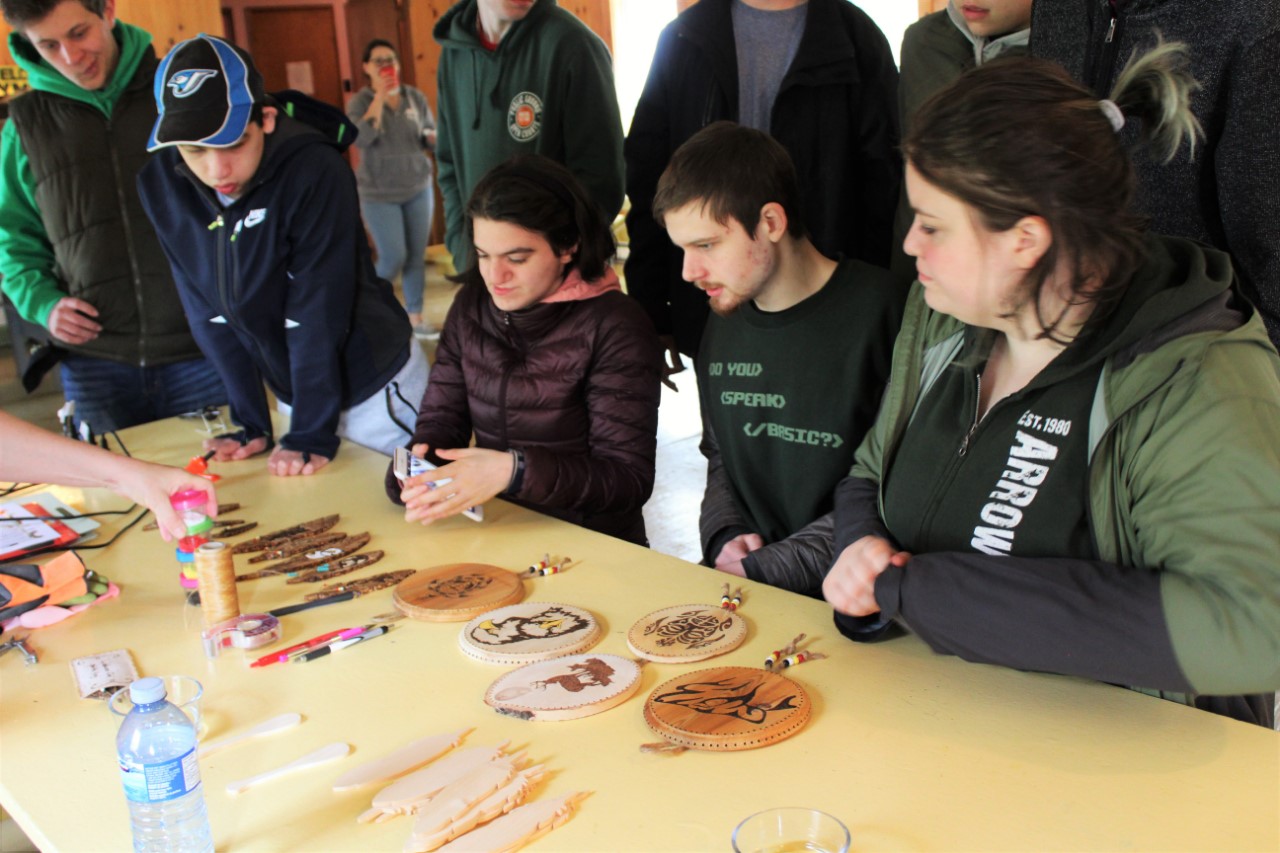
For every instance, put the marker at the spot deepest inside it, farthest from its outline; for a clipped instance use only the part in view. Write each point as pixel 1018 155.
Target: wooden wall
pixel 168 21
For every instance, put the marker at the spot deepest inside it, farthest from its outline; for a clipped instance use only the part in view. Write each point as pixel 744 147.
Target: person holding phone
pixel 394 175
pixel 544 359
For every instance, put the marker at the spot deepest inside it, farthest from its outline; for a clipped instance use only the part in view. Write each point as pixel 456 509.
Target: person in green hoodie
pixel 523 77
pixel 77 255
pixel 1076 467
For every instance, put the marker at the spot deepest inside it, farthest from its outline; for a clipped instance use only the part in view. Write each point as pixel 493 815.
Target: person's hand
pixel 429 136
pixel 71 321
pixel 729 560
pixel 850 586
pixel 291 463
pixel 231 450
pixel 477 475
pixel 672 363
pixel 151 485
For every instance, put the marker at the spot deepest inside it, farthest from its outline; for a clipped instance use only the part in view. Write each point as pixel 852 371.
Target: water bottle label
pixel 155 783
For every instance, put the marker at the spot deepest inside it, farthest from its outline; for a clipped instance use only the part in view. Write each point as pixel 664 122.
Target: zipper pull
pixel 964 442
pixel 217 223
pixel 1111 28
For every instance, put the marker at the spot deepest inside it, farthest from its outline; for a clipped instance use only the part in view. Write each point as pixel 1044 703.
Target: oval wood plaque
pixel 528 632
pixel 565 688
pixel 686 633
pixel 456 592
pixel 727 708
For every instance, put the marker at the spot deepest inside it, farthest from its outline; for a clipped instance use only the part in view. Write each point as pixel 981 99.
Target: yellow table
pixel 912 751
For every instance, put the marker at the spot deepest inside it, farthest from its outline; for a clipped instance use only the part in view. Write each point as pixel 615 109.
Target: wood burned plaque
pixel 687 633
pixel 727 708
pixel 565 688
pixel 528 632
pixel 457 592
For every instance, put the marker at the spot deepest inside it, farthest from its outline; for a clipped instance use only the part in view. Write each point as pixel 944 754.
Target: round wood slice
pixel 565 688
pixel 529 632
pixel 727 708
pixel 456 592
pixel 687 633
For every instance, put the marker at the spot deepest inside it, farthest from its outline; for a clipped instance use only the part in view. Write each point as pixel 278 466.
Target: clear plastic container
pixel 156 747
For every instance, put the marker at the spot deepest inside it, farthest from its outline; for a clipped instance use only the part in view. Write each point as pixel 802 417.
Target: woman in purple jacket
pixel 544 359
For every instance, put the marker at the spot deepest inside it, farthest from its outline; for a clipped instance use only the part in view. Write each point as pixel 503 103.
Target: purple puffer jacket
pixel 574 385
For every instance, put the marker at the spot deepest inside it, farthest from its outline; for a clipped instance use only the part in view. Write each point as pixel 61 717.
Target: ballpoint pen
pixel 338 645
pixel 281 655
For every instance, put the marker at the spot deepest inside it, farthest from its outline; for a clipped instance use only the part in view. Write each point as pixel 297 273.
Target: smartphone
pixel 405 465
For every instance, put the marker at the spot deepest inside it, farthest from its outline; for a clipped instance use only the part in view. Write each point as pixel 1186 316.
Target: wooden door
pixel 382 19
pixel 296 48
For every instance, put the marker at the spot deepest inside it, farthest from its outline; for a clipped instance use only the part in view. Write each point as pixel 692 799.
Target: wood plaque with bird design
pixel 528 632
pixel 727 708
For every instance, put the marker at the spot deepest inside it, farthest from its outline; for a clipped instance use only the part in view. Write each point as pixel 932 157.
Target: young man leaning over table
pixel 793 359
pixel 258 214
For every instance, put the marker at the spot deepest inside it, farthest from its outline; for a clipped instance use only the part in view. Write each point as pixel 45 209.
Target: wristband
pixel 517 471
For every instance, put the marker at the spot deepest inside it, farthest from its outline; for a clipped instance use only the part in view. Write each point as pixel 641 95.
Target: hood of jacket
pixel 316 124
pixel 576 288
pixel 134 44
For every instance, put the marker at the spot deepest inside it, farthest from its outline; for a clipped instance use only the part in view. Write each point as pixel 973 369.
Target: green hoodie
pixel 27 262
pixel 547 89
pixel 1184 506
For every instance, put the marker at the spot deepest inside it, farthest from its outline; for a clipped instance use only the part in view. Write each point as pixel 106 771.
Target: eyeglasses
pixel 384 61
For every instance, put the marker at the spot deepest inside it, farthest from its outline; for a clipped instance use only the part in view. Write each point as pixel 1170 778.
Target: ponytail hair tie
pixel 1113 113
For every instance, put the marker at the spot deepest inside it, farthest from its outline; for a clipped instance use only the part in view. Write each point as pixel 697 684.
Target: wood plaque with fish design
pixel 528 632
pixel 565 688
pixel 727 708
pixel 457 592
pixel 687 633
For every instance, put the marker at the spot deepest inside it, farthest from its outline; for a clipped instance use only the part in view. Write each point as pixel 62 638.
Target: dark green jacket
pixel 547 89
pixel 71 222
pixel 1184 494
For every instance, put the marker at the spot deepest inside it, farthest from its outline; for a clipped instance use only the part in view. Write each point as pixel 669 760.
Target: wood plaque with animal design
pixel 565 688
pixel 457 592
pixel 528 632
pixel 727 708
pixel 686 633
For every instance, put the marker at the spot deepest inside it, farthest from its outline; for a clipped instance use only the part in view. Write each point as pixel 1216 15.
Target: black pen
pixel 307 605
pixel 341 644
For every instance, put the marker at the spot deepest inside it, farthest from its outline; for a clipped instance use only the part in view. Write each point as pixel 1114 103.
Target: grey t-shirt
pixel 766 43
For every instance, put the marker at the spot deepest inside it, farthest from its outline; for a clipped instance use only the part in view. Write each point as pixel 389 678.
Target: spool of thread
pixel 219 600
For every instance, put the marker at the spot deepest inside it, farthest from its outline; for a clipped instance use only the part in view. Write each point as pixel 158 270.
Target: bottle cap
pixel 144 691
pixel 188 499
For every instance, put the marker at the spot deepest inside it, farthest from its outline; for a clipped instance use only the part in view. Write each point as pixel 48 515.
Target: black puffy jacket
pixel 574 385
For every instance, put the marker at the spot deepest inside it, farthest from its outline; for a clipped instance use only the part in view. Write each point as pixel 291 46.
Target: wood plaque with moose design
pixel 565 688
pixel 727 708
pixel 457 592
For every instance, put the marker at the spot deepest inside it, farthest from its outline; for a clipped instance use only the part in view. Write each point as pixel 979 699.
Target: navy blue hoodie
pixel 280 285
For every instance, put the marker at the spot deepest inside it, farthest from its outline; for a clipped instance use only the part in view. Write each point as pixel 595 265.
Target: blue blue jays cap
pixel 205 92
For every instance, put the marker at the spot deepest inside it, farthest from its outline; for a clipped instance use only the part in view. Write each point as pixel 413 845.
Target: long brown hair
pixel 1018 137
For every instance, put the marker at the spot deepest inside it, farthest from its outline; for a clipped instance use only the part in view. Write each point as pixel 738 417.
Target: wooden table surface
pixel 911 750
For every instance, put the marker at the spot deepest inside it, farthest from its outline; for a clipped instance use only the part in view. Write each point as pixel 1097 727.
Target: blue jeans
pixel 400 234
pixel 110 395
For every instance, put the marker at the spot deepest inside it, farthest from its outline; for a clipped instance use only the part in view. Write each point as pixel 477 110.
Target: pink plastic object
pixel 189 499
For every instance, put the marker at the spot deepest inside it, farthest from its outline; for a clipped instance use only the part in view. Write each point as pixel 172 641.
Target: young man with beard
pixel 793 358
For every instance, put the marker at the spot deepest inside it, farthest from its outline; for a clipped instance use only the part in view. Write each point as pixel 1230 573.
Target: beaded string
pixel 790 655
pixel 548 566
pixel 731 602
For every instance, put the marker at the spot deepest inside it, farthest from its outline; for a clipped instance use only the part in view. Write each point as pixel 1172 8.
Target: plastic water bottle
pixel 157 751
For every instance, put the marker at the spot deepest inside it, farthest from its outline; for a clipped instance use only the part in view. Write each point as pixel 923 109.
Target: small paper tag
pixel 100 676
